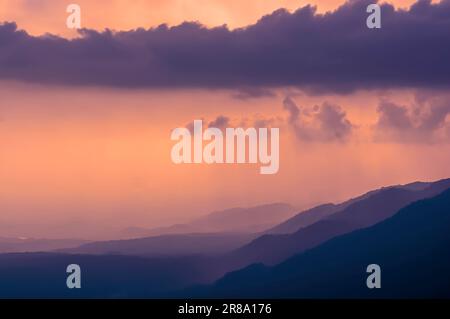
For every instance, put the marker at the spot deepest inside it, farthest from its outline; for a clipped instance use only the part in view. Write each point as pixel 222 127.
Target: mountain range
pixel 8 244
pixel 362 212
pixel 234 220
pixel 167 245
pixel 405 229
pixel 412 249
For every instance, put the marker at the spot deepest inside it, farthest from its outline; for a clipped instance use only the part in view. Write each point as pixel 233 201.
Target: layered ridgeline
pixel 10 244
pixel 213 234
pixel 312 215
pixel 211 244
pixel 223 231
pixel 234 220
pixel 412 248
pixel 112 274
pixel 358 213
pixel 225 252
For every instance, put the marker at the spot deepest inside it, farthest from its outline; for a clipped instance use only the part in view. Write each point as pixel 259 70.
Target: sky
pixel 44 16
pixel 86 118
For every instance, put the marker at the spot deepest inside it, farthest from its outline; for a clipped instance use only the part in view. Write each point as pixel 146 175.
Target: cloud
pixel 293 110
pixel 221 122
pixel 324 123
pixel 262 122
pixel 253 93
pixel 424 121
pixel 332 52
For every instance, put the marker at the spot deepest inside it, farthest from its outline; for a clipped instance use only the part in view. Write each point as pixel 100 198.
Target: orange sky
pixel 42 16
pixel 92 156
pixel 81 162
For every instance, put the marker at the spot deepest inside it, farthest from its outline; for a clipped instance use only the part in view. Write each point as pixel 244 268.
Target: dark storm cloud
pixel 334 52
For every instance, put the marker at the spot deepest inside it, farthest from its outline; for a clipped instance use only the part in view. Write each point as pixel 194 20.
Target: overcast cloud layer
pixel 335 52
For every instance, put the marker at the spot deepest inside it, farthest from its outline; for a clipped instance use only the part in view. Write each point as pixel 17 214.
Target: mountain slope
pixel 310 216
pixel 167 245
pixel 411 247
pixel 9 245
pixel 243 220
pixel 304 219
pixel 381 204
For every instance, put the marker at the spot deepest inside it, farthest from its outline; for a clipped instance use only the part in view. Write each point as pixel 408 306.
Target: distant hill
pixel 167 245
pixel 8 245
pixel 411 247
pixel 234 220
pixel 364 212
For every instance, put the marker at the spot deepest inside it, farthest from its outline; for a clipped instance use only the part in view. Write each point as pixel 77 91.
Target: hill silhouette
pixel 234 220
pixel 374 207
pixel 411 247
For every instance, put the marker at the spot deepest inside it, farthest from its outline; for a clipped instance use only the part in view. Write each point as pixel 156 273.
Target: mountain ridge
pixel 411 247
pixel 379 205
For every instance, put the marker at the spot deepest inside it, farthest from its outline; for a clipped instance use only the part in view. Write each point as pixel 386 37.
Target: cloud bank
pixel 333 52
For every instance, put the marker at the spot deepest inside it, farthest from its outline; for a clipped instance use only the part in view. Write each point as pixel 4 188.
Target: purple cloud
pixel 221 122
pixel 423 122
pixel 253 93
pixel 333 52
pixel 324 123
